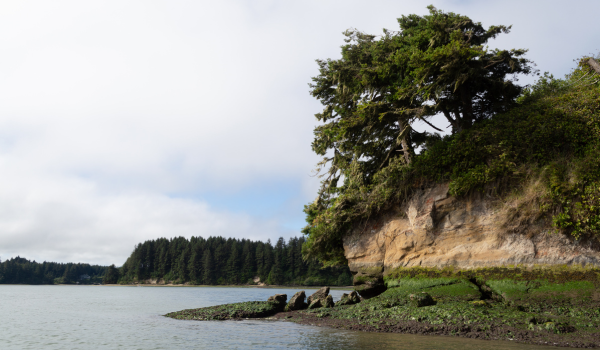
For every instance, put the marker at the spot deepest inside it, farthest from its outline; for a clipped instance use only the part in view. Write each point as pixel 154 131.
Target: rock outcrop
pixel 328 301
pixel 348 299
pixel 320 298
pixel 322 293
pixel 278 300
pixel 297 302
pixel 315 304
pixel 437 230
pixel 421 299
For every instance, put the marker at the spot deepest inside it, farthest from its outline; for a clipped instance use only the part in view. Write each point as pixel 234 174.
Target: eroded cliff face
pixel 436 230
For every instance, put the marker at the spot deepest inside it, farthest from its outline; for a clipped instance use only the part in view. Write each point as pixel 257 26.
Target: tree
pixel 249 268
pixel 372 95
pixel 195 265
pixel 233 265
pixel 207 268
pixel 111 276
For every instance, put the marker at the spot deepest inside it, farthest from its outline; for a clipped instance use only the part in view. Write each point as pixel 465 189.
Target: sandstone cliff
pixel 435 229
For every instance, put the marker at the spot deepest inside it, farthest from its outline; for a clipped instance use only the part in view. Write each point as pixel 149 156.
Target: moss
pixel 250 309
pixel 461 291
pixel 371 271
pixel 531 308
pixel 527 309
pixel 551 274
pixel 509 289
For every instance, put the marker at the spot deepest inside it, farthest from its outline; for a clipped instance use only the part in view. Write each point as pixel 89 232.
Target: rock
pixel 368 281
pixel 320 294
pixel 343 300
pixel 354 297
pixel 348 299
pixel 421 299
pixel 279 300
pixel 315 304
pixel 328 301
pixel 297 302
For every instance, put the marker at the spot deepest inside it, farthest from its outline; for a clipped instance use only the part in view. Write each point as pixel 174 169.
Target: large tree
pixel 372 95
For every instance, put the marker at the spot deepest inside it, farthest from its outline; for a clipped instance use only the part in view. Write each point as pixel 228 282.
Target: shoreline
pixel 559 306
pixel 227 286
pixel 424 329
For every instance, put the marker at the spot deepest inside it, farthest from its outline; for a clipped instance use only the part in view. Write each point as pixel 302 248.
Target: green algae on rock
pixel 554 305
pixel 483 303
pixel 235 311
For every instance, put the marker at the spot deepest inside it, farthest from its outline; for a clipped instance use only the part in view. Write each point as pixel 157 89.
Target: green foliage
pixel 552 135
pixel 22 271
pixel 436 63
pixel 217 260
pixel 111 276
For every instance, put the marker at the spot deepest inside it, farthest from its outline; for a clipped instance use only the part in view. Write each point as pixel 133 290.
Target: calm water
pixel 101 317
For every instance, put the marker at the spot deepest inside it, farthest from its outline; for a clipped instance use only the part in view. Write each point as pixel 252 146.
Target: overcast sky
pixel 123 121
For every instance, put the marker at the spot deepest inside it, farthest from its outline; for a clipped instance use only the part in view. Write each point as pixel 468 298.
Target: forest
pixel 211 261
pixel 225 261
pixel 22 271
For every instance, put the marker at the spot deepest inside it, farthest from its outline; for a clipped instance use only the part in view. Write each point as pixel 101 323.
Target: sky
pixel 125 121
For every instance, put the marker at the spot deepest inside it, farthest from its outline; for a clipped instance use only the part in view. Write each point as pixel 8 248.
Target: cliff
pixel 437 230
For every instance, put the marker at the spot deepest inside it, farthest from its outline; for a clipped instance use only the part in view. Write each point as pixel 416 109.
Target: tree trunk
pixel 467 102
pixel 406 151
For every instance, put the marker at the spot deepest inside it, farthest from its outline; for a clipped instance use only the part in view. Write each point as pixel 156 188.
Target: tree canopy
pixel 225 261
pixel 372 96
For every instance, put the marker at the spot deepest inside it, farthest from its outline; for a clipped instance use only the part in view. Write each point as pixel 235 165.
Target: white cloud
pixel 107 108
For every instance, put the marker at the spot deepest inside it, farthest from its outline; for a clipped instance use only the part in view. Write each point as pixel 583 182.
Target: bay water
pixel 127 317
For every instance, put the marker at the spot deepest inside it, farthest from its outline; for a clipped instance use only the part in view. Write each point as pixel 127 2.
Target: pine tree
pixel 195 265
pixel 207 268
pixel 233 265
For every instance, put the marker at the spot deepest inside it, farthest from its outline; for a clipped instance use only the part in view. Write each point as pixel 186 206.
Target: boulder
pixel 279 300
pixel 320 294
pixel 297 302
pixel 421 299
pixel 328 301
pixel 368 282
pixel 348 299
pixel 315 304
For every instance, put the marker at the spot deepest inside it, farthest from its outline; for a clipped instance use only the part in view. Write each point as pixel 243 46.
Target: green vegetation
pixel 22 271
pixel 249 309
pixel 220 261
pixel 537 148
pixel 537 306
pixel 542 305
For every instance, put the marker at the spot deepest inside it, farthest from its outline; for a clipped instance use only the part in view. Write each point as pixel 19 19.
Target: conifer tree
pixel 207 268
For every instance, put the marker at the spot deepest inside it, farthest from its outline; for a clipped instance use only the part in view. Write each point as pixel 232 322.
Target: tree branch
pixel 594 64
pixel 428 123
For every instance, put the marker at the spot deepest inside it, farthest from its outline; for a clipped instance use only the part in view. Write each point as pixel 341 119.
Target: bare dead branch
pixel 594 64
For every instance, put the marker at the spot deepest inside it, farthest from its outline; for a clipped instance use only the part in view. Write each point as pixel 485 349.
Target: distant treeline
pixel 22 271
pixel 218 260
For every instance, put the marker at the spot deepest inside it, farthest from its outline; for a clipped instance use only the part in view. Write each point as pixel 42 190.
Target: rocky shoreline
pixel 544 307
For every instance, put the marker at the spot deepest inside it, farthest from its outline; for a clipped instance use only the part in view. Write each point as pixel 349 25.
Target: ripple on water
pixel 99 317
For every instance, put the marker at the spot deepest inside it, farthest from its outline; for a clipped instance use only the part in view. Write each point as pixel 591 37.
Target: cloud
pixel 127 121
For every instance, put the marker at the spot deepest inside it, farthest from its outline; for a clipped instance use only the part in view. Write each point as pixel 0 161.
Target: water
pixel 106 317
